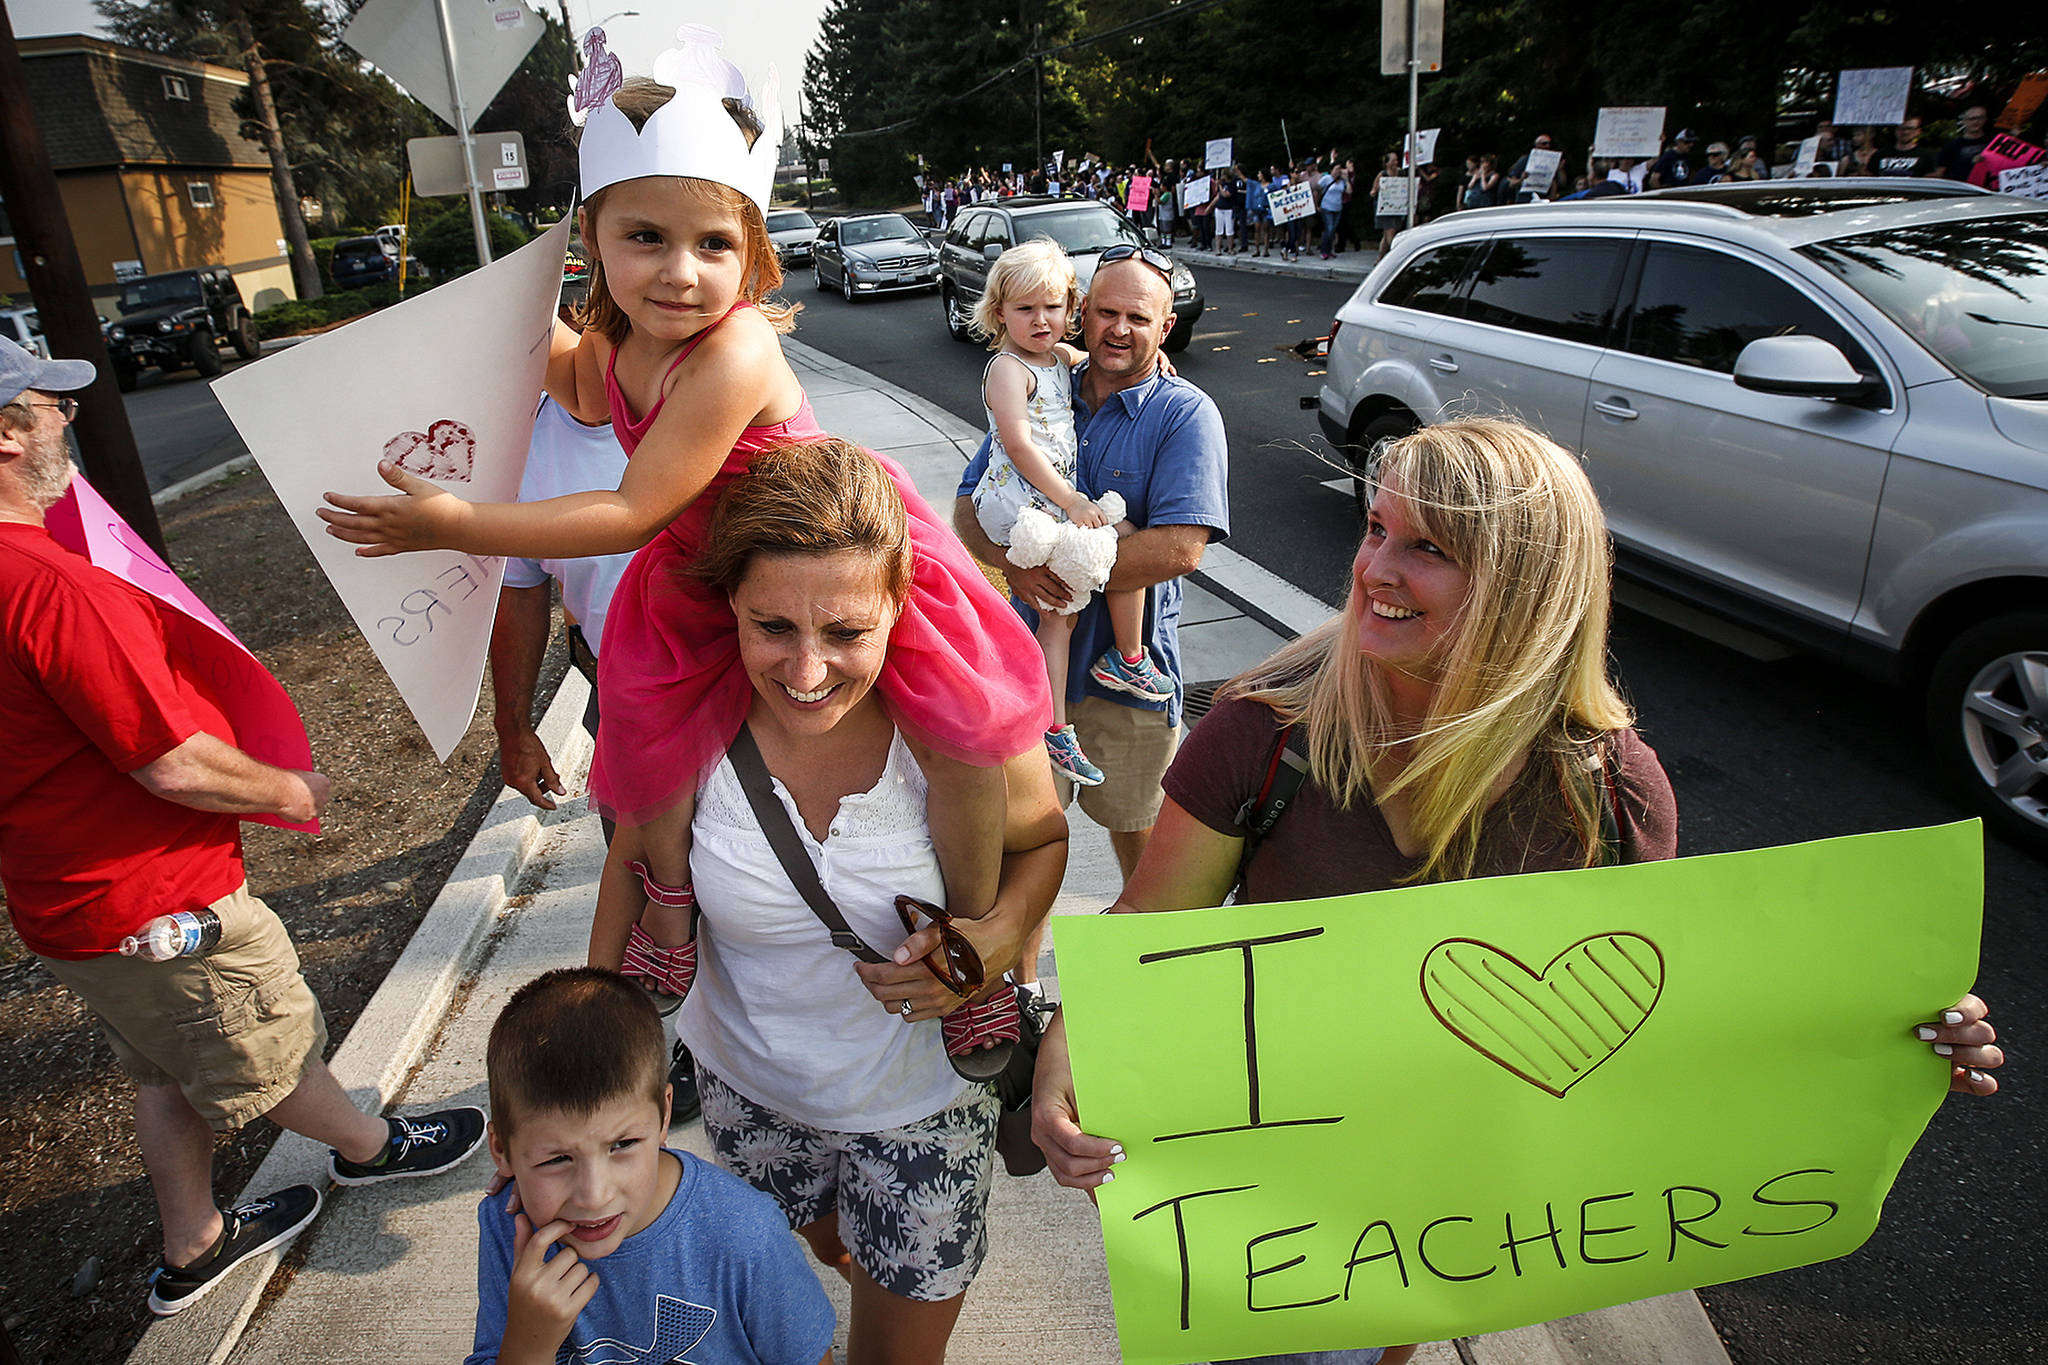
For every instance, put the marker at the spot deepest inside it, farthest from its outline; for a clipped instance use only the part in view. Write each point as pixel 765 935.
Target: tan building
pixel 153 168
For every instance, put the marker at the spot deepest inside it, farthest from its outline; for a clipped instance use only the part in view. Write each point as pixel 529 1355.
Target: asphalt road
pixel 1760 753
pixel 179 427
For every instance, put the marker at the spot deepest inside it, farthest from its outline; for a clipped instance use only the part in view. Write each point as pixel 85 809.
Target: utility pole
pixel 1038 119
pixel 56 280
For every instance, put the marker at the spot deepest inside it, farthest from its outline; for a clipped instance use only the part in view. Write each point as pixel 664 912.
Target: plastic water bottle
pixel 189 933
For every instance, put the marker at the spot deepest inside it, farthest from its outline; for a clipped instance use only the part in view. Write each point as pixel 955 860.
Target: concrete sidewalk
pixel 388 1274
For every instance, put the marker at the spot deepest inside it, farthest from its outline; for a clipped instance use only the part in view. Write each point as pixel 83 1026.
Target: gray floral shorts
pixel 912 1201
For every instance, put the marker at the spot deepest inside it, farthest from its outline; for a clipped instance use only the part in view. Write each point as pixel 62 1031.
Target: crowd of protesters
pixel 1232 210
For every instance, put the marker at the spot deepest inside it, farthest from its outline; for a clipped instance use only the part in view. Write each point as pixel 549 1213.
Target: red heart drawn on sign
pixel 446 451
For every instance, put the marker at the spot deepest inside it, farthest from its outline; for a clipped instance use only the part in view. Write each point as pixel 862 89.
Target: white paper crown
pixel 692 134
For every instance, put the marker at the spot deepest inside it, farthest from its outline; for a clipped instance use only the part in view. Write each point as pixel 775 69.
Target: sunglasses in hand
pixel 956 964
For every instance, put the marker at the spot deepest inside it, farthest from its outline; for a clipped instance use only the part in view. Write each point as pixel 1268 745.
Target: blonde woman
pixel 1456 719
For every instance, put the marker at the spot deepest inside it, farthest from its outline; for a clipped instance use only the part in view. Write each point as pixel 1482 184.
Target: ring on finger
pixel 904 1008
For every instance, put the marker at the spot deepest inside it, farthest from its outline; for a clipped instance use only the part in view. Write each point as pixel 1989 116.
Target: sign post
pixel 476 198
pixel 1412 40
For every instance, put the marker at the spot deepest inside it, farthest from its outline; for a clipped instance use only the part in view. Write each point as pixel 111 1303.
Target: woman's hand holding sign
pixel 1964 1037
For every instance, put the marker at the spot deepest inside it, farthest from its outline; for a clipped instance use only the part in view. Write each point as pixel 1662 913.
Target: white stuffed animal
pixel 1081 556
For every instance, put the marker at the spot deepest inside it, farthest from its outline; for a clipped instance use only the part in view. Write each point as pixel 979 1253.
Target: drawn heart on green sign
pixel 1552 1028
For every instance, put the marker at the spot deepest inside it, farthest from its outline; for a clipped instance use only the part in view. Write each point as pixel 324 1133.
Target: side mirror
pixel 991 251
pixel 1798 366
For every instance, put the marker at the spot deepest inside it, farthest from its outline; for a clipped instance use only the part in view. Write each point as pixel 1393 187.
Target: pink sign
pixel 266 724
pixel 1141 194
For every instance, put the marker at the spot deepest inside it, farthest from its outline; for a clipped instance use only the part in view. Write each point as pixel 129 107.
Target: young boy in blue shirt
pixel 693 1259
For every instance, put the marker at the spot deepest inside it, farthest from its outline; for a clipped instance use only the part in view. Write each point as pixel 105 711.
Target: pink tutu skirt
pixel 963 675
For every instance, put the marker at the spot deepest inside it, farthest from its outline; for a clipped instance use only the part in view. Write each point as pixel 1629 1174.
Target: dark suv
pixel 177 319
pixel 1085 228
pixel 361 261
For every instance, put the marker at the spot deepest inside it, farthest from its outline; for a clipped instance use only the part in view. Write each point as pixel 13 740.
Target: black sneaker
pixel 425 1145
pixel 682 1074
pixel 249 1230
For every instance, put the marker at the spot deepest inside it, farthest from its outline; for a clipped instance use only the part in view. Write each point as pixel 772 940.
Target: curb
pixel 1273 265
pixel 203 479
pixel 401 1019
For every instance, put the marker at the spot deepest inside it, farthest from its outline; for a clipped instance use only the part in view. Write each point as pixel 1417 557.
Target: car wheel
pixel 818 277
pixel 1365 447
pixel 846 286
pixel 1987 713
pixel 246 342
pixel 957 325
pixel 125 376
pixel 205 355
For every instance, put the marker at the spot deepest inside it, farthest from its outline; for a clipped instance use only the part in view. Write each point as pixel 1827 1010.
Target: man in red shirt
pixel 121 801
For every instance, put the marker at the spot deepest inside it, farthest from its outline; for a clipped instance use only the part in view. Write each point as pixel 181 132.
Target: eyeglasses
pixel 68 407
pixel 962 972
pixel 1158 260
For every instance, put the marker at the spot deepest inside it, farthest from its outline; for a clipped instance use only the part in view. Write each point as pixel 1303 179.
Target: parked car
pixel 872 253
pixel 22 327
pixel 792 231
pixel 361 261
pixel 176 319
pixel 1085 227
pixel 1818 408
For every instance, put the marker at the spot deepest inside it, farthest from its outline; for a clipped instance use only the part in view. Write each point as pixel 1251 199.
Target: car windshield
pixel 1078 230
pixel 791 220
pixel 862 231
pixel 158 292
pixel 365 246
pixel 1975 293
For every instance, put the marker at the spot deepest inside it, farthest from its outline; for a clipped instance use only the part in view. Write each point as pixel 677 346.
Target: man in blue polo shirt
pixel 1159 442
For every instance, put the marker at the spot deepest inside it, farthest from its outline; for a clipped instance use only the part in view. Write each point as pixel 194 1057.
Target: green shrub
pixel 447 242
pixel 301 315
pixel 323 256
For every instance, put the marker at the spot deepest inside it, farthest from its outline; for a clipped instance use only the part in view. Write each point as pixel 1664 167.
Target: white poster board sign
pixel 2029 182
pixel 1872 94
pixel 1216 156
pixel 1393 200
pixel 1296 201
pixel 1195 193
pixel 1425 141
pixel 1540 170
pixel 1629 130
pixel 446 384
pixel 1809 152
pixel 402 39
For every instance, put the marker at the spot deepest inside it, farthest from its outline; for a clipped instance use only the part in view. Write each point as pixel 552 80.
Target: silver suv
pixel 1819 409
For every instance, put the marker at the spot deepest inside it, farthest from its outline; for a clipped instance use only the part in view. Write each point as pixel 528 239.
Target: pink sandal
pixel 662 972
pixel 979 1034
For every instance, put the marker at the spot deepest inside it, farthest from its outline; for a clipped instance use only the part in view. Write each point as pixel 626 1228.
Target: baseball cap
pixel 1717 149
pixel 1686 135
pixel 20 371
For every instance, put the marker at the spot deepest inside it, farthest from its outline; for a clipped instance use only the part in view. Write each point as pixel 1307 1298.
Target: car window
pixel 1700 308
pixel 1083 228
pixel 974 231
pixel 895 227
pixel 157 292
pixel 788 220
pixel 1429 283
pixel 1551 286
pixel 1974 293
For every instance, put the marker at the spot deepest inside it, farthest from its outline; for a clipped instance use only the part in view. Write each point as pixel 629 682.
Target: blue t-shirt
pixel 717 1277
pixel 1160 445
pixel 1255 196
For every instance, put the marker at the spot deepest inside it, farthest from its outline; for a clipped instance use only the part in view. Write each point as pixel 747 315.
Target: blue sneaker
pixel 1141 679
pixel 1068 760
pixel 425 1145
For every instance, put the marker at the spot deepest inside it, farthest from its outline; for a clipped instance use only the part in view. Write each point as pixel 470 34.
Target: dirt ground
pixel 76 1212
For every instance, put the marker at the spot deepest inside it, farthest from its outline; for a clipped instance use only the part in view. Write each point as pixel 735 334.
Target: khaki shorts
pixel 234 1030
pixel 1132 747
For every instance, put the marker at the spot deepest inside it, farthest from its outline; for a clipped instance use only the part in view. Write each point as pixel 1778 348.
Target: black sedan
pixel 873 253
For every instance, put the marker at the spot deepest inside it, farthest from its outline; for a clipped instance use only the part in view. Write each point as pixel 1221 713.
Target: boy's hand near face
pixel 545 1296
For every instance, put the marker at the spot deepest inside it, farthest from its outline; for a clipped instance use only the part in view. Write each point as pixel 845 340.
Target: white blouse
pixel 777 1011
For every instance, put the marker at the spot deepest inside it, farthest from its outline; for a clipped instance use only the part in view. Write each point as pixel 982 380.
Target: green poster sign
pixel 1446 1110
